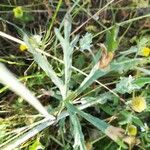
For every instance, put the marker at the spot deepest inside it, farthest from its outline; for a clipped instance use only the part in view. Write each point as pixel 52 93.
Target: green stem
pixel 52 22
pixel 122 23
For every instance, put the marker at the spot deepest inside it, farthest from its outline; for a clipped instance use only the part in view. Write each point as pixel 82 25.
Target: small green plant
pixel 77 93
pixel 20 14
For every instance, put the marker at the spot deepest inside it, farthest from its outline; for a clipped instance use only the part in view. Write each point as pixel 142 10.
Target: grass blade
pixel 8 79
pixel 24 137
pixel 46 122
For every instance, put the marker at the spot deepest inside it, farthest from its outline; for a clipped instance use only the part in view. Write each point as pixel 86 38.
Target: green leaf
pixel 126 117
pixel 94 75
pixel 36 145
pixel 100 124
pixel 42 61
pixel 85 42
pixel 124 64
pixel 106 108
pixel 141 81
pixel 137 121
pixel 131 50
pixel 116 66
pixel 78 135
pixel 67 47
pixel 111 39
pixel 67 27
pixel 126 85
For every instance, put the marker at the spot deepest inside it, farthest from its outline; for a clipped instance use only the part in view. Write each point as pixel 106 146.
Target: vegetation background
pixel 83 72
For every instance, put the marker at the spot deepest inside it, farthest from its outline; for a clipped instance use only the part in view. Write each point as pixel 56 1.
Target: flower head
pixel 23 47
pixel 132 130
pixel 18 12
pixel 138 104
pixel 145 51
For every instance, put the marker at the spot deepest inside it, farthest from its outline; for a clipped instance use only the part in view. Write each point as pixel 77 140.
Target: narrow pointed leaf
pixel 113 132
pixel 67 27
pixel 94 75
pixel 78 135
pixel 68 51
pixel 42 61
pixel 111 39
pixel 116 66
pixel 8 79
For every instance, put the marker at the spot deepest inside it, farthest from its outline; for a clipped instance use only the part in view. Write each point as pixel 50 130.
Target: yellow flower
pixel 18 12
pixel 138 104
pixel 23 47
pixel 145 51
pixel 132 130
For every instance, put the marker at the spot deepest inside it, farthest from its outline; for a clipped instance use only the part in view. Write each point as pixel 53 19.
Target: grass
pixel 78 78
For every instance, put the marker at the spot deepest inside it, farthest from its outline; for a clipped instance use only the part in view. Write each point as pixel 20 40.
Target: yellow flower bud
pixel 23 47
pixel 138 104
pixel 132 130
pixel 145 51
pixel 18 12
